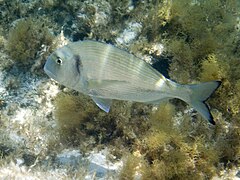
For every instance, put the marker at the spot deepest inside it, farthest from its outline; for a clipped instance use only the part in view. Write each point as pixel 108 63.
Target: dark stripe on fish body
pixel 117 64
pixel 78 63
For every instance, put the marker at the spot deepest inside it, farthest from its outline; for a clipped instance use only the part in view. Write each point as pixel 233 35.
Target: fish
pixel 105 72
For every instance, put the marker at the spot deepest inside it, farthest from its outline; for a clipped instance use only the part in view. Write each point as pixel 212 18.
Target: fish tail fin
pixel 199 94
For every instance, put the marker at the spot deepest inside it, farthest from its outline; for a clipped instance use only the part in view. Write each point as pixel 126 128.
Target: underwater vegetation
pixel 72 115
pixel 201 41
pixel 175 151
pixel 202 44
pixel 81 123
pixel 26 39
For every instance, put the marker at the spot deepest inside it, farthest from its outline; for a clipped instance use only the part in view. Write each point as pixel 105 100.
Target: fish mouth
pixel 49 73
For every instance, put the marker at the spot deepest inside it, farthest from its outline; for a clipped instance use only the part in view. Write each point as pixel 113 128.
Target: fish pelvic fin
pixel 199 95
pixel 103 104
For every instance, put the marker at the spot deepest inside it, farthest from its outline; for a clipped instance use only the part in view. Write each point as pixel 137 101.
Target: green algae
pixel 198 30
pixel 181 154
pixel 26 39
pixel 203 42
pixel 130 167
pixel 72 115
pixel 77 116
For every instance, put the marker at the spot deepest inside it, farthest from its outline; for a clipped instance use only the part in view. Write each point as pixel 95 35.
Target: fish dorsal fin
pixel 103 104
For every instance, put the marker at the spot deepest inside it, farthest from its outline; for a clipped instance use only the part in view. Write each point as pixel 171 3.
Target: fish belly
pixel 128 92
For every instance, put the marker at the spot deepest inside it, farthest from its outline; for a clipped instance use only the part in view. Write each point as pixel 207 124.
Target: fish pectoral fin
pixel 96 84
pixel 103 104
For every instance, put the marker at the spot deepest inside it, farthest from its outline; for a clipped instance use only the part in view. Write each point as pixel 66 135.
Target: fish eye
pixel 59 61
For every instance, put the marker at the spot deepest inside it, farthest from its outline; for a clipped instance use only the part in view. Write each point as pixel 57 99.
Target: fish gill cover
pixel 198 39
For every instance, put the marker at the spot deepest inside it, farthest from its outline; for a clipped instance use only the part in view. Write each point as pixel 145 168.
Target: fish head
pixel 61 66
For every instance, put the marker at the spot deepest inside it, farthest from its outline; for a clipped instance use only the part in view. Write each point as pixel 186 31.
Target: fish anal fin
pixel 158 101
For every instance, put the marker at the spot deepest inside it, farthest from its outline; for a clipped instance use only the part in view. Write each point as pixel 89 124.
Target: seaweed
pixel 77 116
pixel 71 114
pixel 26 39
pixel 203 44
pixel 200 38
pixel 212 69
pixel 192 31
pixel 177 153
pixel 130 167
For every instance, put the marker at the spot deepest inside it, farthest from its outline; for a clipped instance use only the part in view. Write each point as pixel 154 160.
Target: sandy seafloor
pixel 27 124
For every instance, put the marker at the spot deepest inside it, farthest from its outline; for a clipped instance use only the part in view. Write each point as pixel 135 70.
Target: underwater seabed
pixel 29 133
pixel 50 132
pixel 27 129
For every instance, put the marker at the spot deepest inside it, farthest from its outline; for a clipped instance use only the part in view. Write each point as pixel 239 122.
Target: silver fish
pixel 105 72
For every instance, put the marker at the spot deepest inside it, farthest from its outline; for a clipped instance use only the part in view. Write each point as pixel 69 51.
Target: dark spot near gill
pixel 78 63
